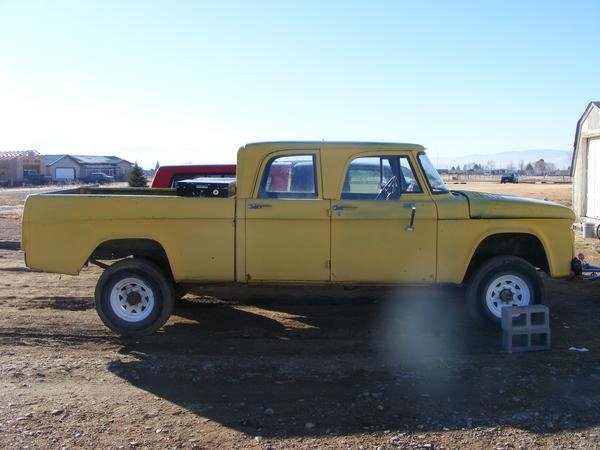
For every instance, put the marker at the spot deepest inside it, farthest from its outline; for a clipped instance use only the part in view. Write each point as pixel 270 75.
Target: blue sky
pixel 191 81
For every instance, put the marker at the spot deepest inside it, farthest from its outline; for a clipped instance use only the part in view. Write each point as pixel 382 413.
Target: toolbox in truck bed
pixel 206 187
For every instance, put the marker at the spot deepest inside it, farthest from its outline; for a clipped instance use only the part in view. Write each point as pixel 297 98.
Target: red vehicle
pixel 167 176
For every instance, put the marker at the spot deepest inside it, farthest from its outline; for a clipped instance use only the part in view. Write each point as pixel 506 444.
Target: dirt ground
pixel 385 369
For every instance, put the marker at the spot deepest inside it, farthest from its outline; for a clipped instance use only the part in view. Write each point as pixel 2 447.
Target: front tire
pixel 134 297
pixel 502 281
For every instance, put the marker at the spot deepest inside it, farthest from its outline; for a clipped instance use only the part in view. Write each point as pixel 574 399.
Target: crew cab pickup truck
pixel 305 213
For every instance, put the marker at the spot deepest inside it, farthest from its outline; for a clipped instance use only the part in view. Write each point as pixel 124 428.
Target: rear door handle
pixel 258 205
pixel 340 207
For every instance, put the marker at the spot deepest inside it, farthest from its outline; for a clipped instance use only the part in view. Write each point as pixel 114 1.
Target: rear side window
pixel 289 177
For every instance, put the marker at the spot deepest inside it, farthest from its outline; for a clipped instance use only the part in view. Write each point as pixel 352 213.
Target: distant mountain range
pixel 560 158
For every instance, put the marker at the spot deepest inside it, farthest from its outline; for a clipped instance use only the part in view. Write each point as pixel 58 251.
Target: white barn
pixel 585 166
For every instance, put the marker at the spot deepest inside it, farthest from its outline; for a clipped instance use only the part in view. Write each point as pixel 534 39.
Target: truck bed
pixel 62 229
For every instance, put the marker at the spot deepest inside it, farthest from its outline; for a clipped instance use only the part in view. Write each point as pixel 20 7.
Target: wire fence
pixel 480 178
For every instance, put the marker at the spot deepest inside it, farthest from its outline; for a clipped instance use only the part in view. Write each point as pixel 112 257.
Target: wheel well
pixel 526 246
pixel 142 248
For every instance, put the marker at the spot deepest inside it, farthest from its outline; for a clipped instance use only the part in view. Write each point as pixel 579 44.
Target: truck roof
pixel 292 145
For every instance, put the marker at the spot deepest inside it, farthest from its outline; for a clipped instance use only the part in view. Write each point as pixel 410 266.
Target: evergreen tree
pixel 137 177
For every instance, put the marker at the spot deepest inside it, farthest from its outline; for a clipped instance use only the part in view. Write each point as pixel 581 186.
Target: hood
pixel 494 206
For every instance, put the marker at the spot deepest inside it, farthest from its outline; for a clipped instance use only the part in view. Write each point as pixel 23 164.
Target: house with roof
pixel 585 165
pixel 14 165
pixel 73 167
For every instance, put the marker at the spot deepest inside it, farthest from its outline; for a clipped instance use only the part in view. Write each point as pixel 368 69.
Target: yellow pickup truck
pixel 305 213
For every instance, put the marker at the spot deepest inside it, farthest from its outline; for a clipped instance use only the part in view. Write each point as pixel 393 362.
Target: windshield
pixel 433 177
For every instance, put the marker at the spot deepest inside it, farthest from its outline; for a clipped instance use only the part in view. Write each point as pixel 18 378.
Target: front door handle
pixel 411 224
pixel 258 205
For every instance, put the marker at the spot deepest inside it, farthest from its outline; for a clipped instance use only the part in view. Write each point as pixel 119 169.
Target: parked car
pixel 168 176
pixel 509 178
pixel 36 179
pixel 98 178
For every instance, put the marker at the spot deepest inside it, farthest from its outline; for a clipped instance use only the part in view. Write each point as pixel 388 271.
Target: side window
pixel 289 177
pixel 366 176
pixel 379 178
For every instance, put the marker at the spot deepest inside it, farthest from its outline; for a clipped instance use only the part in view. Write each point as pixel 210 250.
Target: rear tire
pixel 502 281
pixel 134 297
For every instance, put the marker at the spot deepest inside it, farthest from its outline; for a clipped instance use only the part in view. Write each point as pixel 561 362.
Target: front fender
pixel 458 241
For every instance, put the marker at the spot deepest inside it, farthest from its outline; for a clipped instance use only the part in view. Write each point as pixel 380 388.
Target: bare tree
pixel 529 169
pixel 540 167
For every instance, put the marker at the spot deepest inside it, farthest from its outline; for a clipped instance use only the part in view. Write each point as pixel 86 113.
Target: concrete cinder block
pixel 525 317
pixel 525 328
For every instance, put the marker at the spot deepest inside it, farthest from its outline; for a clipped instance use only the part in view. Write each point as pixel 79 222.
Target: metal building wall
pixel 590 129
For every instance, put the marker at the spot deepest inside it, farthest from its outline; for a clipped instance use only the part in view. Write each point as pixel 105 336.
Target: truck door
pixel 383 227
pixel 287 222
